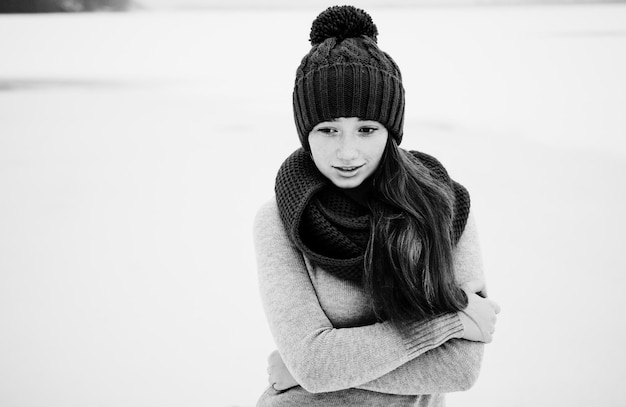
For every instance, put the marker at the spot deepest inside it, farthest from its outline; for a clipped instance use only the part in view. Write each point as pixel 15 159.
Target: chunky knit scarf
pixel 331 229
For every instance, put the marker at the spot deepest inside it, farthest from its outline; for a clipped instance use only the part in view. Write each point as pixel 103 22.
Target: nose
pixel 347 150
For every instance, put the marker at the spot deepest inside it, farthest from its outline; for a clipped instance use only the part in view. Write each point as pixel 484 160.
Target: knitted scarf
pixel 330 228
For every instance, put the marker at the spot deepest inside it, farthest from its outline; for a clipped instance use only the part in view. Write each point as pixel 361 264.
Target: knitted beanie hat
pixel 345 74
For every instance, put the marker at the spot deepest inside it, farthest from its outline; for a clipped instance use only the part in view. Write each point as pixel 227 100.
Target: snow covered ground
pixel 135 149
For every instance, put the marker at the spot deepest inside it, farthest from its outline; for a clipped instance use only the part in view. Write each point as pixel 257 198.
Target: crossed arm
pixel 422 358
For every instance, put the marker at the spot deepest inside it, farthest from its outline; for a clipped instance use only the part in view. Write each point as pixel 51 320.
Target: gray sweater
pixel 323 330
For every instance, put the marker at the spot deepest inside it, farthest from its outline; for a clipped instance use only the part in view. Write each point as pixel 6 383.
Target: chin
pixel 348 183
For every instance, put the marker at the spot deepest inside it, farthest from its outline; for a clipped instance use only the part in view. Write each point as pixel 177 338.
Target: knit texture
pixel 345 74
pixel 329 340
pixel 333 230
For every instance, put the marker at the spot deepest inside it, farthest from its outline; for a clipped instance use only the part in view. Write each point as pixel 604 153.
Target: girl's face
pixel 347 150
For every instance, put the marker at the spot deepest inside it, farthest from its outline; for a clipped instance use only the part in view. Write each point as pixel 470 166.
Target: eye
pixel 367 129
pixel 326 130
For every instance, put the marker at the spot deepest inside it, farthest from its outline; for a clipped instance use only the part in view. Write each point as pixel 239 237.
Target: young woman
pixel 369 265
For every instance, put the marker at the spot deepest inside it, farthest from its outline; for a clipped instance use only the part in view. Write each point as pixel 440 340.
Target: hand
pixel 479 317
pixel 279 376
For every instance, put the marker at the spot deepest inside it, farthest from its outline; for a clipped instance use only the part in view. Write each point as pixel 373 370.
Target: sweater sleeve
pixel 455 365
pixel 320 357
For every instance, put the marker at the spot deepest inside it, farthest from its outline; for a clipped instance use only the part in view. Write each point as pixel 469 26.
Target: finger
pixel 474 286
pixel 496 307
pixel 272 356
pixel 483 292
pixel 275 387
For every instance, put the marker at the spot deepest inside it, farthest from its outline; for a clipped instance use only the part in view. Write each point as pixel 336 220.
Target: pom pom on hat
pixel 342 22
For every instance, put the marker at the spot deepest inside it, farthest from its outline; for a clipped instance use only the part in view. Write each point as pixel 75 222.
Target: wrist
pixel 463 320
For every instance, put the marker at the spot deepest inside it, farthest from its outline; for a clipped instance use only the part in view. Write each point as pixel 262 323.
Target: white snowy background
pixel 135 149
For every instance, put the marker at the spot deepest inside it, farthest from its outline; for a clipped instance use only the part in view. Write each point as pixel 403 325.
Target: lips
pixel 347 170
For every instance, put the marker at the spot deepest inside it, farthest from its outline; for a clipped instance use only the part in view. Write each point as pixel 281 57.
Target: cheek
pixel 317 153
pixel 377 150
pixel 319 149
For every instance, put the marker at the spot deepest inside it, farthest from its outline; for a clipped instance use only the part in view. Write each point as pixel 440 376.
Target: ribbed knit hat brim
pixel 348 90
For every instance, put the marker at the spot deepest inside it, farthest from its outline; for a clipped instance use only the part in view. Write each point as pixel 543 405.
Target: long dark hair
pixel 408 262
